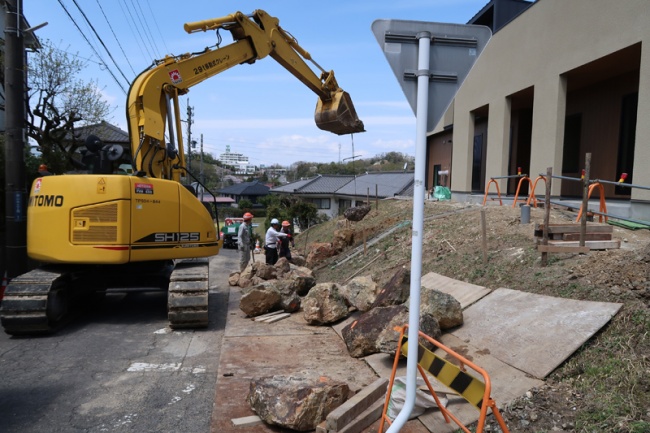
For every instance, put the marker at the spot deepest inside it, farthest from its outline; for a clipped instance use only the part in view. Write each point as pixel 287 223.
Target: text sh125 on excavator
pixel 103 228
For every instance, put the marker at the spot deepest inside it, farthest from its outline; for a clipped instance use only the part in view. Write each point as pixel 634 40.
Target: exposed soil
pixel 605 385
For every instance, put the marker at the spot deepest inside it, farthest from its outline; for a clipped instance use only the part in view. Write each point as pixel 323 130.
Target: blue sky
pixel 258 110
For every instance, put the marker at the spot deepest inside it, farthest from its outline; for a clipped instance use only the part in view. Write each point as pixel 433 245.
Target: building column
pixel 462 153
pixel 498 139
pixel 547 141
pixel 641 147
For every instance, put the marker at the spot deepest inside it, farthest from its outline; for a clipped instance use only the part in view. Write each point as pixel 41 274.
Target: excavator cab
pixel 338 115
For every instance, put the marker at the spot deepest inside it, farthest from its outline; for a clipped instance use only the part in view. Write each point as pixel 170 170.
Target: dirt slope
pixel 605 386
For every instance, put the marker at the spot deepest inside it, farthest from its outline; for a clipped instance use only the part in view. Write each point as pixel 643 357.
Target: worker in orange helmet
pixel 245 241
pixel 42 170
pixel 284 250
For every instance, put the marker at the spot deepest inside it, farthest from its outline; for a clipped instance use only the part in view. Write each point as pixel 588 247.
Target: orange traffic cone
pixel 3 286
pixel 257 246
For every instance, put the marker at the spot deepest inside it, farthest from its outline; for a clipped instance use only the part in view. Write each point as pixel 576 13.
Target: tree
pixel 290 208
pixel 58 102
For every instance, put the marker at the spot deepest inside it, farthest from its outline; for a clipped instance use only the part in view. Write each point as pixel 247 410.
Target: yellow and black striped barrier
pixel 472 389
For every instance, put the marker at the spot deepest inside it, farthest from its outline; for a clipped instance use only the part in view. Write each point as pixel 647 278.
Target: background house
pixel 252 191
pixel 320 191
pixel 333 194
pixel 559 80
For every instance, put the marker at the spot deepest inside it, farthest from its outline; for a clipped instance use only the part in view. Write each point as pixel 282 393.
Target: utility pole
pixel 15 191
pixel 201 172
pixel 189 136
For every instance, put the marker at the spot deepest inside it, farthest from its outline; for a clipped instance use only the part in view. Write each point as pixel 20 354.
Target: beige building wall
pixel 548 40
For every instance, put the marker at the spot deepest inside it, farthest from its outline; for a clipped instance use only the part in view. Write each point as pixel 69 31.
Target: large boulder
pixel 360 292
pixel 294 402
pixel 324 304
pixel 290 301
pixel 444 307
pixel 297 259
pixel 319 252
pixel 343 238
pixel 233 279
pixel 259 299
pixel 302 279
pixel 264 271
pixel 356 213
pixel 373 331
pixel 396 291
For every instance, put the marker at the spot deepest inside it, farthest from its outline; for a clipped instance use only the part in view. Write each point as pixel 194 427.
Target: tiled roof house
pixel 252 191
pixel 332 194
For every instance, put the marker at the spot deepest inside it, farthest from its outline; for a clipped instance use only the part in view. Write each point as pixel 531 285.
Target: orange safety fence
pixel 475 391
pixel 532 191
pixel 530 183
pixel 524 178
pixel 487 188
pixel 603 205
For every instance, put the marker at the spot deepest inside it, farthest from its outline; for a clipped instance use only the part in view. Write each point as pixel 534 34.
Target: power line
pixel 146 24
pixel 92 47
pixel 101 41
pixel 115 36
pixel 126 18
pixel 148 39
pixel 158 28
pixel 140 38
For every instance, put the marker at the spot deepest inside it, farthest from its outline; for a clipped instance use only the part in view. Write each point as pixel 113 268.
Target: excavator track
pixel 187 299
pixel 34 303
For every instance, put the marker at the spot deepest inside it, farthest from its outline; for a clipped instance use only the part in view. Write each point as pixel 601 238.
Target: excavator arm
pixel 153 109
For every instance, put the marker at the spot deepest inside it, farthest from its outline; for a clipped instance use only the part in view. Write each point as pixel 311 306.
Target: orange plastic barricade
pixel 530 183
pixel 603 205
pixel 487 188
pixel 531 196
pixel 475 391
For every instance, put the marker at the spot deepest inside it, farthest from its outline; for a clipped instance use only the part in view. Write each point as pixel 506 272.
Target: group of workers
pixel 276 242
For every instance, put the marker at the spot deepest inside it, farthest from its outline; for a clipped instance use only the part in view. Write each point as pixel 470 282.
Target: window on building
pixel 321 203
pixel 343 205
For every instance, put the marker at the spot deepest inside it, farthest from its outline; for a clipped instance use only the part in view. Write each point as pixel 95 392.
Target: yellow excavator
pixel 97 229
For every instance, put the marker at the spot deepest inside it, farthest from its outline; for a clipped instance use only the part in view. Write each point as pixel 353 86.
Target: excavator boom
pixel 153 95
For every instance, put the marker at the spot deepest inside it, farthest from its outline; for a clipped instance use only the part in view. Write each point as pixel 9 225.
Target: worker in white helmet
pixel 271 242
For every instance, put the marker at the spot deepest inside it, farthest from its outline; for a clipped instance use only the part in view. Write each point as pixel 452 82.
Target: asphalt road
pixel 117 368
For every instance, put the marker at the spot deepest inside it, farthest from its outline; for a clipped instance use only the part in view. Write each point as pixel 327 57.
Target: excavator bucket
pixel 338 115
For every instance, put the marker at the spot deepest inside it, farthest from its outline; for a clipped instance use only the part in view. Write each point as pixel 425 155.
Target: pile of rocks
pixel 289 287
pixel 301 403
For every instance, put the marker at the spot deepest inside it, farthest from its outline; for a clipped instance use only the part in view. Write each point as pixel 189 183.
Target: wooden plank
pixel 246 421
pixel 277 318
pixel 367 417
pixel 588 237
pixel 357 404
pixel 465 293
pixel 321 428
pixel 593 245
pixel 261 317
pixel 575 228
pixel 562 249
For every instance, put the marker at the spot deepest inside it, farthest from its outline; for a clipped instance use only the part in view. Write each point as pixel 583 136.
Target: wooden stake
pixel 376 197
pixel 585 200
pixel 484 236
pixel 547 213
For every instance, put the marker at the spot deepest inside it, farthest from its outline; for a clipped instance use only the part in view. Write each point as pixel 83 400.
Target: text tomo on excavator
pixel 98 230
